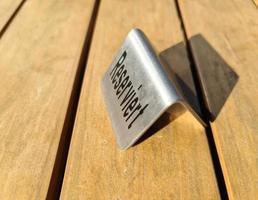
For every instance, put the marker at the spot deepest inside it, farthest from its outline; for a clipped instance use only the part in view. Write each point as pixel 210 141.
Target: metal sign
pixel 137 89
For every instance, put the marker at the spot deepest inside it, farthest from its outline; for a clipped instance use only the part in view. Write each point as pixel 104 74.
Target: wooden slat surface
pixel 231 27
pixel 174 163
pixel 7 9
pixel 39 55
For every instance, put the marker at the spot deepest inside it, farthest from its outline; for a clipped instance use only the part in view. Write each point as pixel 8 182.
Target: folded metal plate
pixel 137 89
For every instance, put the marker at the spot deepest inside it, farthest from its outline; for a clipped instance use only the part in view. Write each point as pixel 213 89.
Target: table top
pixel 56 137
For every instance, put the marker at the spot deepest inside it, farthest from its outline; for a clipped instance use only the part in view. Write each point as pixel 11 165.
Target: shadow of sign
pixel 217 79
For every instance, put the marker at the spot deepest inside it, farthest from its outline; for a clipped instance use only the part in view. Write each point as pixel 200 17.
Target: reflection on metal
pixel 138 89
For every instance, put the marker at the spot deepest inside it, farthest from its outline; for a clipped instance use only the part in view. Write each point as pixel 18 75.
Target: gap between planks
pixel 56 181
pixel 9 21
pixel 201 96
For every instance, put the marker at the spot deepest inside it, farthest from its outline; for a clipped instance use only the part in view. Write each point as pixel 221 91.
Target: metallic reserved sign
pixel 137 89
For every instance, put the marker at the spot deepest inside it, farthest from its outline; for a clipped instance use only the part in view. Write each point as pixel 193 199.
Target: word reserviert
pixel 125 92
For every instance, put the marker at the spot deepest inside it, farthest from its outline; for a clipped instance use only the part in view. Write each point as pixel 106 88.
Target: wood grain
pixel 39 56
pixel 7 9
pixel 174 163
pixel 255 2
pixel 231 27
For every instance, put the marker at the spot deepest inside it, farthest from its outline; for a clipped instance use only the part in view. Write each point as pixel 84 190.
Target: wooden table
pixel 56 137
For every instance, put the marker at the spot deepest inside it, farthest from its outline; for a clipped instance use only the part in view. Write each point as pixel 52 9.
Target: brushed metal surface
pixel 137 89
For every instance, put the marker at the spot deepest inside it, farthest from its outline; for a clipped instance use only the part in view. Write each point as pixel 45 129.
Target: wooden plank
pixel 174 163
pixel 7 9
pixel 39 56
pixel 232 30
